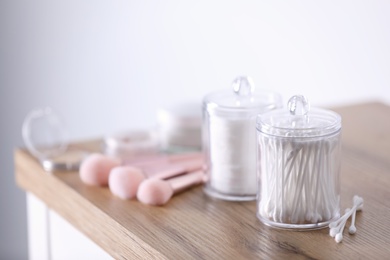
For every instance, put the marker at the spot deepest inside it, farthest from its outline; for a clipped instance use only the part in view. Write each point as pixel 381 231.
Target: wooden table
pixel 194 226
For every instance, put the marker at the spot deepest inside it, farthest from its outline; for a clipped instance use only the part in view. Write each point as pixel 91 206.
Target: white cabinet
pixel 51 237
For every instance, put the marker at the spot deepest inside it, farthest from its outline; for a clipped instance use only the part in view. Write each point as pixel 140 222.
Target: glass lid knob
pixel 298 105
pixel 243 86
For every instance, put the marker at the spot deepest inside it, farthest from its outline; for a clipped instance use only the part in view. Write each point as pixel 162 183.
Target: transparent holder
pixel 229 134
pixel 298 167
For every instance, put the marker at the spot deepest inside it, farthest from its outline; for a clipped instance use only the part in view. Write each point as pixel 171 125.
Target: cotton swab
pixel 298 180
pixel 352 228
pixel 339 236
pixel 337 227
pixel 157 192
pixel 358 201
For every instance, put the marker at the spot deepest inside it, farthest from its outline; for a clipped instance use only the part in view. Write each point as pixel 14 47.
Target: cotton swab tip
pixel 124 181
pixel 339 237
pixel 95 169
pixel 357 201
pixel 333 231
pixel 352 230
pixel 154 192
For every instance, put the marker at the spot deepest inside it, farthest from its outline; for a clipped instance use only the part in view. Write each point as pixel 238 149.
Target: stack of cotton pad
pixel 180 126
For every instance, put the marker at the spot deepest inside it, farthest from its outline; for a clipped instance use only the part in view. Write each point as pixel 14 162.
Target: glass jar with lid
pixel 298 166
pixel 229 138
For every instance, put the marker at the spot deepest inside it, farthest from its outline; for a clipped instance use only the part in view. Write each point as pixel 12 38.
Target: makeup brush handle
pixel 186 181
pixel 150 161
pixel 175 169
pixel 185 156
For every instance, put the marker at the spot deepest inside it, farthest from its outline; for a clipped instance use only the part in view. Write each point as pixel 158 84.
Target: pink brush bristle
pixel 96 168
pixel 124 181
pixel 154 192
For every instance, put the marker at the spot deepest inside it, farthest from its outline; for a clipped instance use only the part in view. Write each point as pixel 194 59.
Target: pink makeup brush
pixel 124 180
pixel 157 192
pixel 96 168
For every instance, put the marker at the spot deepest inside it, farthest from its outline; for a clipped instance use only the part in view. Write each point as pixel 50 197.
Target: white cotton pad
pixel 154 192
pixel 124 181
pixel 94 170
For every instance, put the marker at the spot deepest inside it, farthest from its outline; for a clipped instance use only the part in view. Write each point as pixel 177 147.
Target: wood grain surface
pixel 194 226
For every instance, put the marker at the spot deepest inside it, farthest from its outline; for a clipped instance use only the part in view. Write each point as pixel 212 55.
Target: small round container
pixel 229 135
pixel 130 143
pixel 180 127
pixel 298 166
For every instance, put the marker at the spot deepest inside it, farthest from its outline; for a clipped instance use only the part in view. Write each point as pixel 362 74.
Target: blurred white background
pixel 108 65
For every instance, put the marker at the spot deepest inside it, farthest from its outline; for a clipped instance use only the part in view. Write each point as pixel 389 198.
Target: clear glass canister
pixel 298 166
pixel 229 135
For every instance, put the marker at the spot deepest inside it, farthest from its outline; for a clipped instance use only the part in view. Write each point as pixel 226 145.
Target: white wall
pixel 107 65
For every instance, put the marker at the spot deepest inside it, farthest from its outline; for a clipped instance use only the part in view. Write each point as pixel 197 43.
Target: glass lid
pixel 44 133
pixel 46 138
pixel 299 120
pixel 243 97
